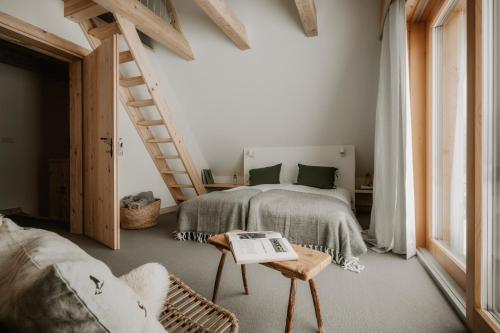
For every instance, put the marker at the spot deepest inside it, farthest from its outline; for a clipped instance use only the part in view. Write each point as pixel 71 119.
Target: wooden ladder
pixel 134 107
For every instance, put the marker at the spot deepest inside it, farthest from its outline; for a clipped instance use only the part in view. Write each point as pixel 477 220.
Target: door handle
pixel 109 142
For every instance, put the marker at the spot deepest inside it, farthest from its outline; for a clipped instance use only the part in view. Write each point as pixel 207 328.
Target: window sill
pixel 451 290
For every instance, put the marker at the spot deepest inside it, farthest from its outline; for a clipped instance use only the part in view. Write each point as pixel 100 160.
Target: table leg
pixel 244 277
pixel 219 273
pixel 317 309
pixel 291 306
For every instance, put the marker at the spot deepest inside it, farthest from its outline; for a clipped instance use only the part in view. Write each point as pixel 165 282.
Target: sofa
pixel 49 284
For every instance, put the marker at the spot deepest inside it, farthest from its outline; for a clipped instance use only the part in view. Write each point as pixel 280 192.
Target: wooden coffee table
pixel 309 264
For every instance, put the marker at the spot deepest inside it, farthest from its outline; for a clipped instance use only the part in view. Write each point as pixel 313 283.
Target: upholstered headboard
pixel 340 156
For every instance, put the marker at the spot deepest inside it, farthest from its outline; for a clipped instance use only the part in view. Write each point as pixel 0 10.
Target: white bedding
pixel 339 193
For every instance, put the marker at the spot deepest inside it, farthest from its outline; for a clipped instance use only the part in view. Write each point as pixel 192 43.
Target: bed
pixel 317 218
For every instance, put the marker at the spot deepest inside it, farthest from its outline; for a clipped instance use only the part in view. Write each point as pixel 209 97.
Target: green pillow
pixel 317 176
pixel 267 175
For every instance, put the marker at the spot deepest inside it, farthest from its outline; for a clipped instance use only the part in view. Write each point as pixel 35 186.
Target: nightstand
pixel 364 200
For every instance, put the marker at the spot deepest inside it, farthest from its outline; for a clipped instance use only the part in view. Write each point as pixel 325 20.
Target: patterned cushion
pixel 48 284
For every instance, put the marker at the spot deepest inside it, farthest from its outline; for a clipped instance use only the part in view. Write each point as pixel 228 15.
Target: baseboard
pixel 169 209
pixel 450 289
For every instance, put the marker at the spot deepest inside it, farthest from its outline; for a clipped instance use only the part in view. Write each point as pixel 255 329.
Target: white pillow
pixel 49 284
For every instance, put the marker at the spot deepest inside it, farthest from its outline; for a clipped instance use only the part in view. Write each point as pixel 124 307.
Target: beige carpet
pixel 391 295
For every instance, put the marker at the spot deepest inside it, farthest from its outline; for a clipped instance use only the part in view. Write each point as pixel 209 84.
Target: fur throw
pixel 151 283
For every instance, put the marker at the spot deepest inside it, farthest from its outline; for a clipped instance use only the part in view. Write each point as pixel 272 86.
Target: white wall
pixel 20 110
pixel 286 90
pixel 136 171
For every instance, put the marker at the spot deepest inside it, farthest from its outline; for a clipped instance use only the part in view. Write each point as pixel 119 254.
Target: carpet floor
pixel 390 295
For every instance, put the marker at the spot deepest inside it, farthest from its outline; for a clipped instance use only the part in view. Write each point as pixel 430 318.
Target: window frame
pixel 420 16
pixel 490 82
pixel 444 256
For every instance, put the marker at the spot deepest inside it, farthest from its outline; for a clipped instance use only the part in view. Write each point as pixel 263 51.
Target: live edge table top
pixel 309 264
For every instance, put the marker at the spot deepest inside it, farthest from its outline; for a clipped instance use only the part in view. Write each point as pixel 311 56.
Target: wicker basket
pixel 187 311
pixel 141 218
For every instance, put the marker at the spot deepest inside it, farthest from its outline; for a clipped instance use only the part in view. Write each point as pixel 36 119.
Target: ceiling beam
pixel 222 15
pixel 172 13
pixel 308 16
pixel 81 10
pixel 150 24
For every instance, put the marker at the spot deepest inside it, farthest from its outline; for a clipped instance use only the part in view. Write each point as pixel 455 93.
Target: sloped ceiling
pixel 287 89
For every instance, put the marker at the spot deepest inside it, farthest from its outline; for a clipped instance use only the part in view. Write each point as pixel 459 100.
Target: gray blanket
pixel 213 213
pixel 317 221
pixel 320 222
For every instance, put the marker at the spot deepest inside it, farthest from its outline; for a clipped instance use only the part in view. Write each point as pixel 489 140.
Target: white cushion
pixel 49 284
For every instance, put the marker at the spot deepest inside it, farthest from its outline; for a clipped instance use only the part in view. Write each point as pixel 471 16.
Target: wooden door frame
pixel 27 35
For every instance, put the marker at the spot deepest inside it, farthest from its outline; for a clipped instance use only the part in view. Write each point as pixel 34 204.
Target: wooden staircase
pixel 97 30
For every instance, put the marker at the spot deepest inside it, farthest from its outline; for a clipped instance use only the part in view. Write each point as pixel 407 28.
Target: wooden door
pixel 100 75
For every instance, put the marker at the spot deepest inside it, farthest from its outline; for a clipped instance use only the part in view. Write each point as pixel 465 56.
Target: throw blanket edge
pixel 353 264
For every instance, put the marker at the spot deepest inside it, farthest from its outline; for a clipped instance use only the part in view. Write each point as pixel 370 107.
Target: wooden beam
pixel 81 10
pixel 105 31
pixel 172 13
pixel 150 24
pixel 222 15
pixel 308 16
pixel 86 26
pixel 22 33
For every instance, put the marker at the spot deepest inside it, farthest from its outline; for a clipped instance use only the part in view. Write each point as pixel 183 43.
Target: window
pixel 454 175
pixel 491 161
pixel 449 132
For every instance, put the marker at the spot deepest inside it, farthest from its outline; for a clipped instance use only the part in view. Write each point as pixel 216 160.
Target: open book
pixel 260 246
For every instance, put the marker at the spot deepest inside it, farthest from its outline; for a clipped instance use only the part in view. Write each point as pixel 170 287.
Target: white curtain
pixel 392 224
pixel 458 196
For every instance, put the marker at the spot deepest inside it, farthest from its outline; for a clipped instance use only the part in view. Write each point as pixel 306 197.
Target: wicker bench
pixel 187 311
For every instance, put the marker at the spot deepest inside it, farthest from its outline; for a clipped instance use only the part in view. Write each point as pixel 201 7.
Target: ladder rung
pixel 132 81
pixel 141 102
pixel 168 157
pixel 181 185
pixel 175 172
pixel 150 122
pixel 160 140
pixel 126 56
pixel 105 31
pixel 182 198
